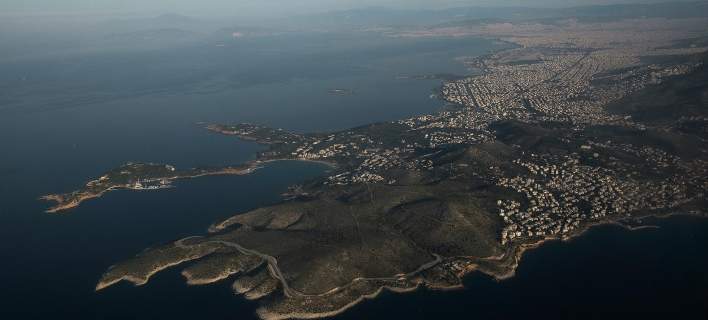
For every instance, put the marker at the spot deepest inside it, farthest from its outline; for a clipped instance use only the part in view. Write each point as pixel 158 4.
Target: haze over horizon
pixel 255 9
pixel 354 159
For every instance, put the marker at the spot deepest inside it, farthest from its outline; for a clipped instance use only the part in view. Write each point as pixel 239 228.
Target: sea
pixel 66 118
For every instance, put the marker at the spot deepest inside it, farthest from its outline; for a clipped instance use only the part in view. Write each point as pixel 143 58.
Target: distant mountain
pixel 667 10
pixel 171 18
pixel 474 16
pixel 154 34
pixel 166 23
pixel 368 17
pixel 242 32
pixel 380 16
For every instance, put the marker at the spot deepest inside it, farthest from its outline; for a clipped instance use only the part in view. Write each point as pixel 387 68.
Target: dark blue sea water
pixel 65 120
pixel 608 273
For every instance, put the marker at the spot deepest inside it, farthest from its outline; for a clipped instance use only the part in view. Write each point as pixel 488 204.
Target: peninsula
pixel 136 176
pixel 580 124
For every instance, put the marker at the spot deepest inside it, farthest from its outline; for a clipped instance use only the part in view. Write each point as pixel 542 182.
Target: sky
pixel 266 8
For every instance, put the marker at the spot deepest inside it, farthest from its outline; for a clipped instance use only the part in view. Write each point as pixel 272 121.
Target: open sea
pixel 66 119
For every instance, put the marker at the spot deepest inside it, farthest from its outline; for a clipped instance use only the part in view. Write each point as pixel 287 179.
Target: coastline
pixel 266 315
pixel 251 165
pixel 500 267
pixel 63 205
pixel 330 164
pixel 192 281
pixel 136 280
pixel 524 247
pixel 60 207
pixel 326 237
pixel 144 278
pixel 516 257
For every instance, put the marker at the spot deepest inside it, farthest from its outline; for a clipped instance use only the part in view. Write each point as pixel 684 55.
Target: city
pixel 573 124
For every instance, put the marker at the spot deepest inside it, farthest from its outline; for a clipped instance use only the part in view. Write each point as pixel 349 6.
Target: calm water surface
pixel 71 119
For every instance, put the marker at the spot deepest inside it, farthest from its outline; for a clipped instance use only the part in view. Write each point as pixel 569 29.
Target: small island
pixel 341 92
